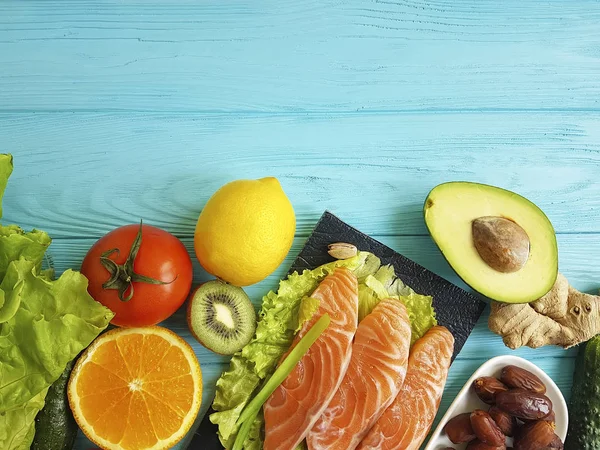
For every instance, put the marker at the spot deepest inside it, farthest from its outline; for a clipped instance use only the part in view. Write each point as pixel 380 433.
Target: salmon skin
pixel 373 379
pixel 405 423
pixel 294 407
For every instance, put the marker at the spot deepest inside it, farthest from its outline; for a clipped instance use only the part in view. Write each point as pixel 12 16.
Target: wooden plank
pixel 244 55
pixel 374 171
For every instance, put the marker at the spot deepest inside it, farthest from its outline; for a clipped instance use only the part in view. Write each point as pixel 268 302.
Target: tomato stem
pixel 122 276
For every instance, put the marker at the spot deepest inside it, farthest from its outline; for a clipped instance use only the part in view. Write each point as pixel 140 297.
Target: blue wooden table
pixel 117 111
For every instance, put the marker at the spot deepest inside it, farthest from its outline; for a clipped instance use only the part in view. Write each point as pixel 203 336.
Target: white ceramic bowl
pixel 467 400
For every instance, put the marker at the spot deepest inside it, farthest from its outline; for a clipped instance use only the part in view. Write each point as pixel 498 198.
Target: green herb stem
pixel 243 433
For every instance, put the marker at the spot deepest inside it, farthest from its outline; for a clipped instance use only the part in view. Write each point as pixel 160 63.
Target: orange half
pixel 136 389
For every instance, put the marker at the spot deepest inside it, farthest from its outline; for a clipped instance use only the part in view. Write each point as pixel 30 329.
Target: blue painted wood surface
pixel 117 111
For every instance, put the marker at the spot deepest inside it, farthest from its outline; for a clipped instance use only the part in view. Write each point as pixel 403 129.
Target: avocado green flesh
pixel 450 209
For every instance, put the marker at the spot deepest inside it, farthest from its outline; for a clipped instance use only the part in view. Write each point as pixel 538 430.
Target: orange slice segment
pixel 136 389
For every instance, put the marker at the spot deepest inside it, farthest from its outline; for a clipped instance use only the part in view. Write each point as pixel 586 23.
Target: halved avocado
pixel 499 243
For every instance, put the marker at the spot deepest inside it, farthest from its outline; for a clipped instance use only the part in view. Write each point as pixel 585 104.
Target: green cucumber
pixel 584 413
pixel 55 427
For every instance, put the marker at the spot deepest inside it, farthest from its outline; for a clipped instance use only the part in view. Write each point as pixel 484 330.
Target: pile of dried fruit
pixel 518 409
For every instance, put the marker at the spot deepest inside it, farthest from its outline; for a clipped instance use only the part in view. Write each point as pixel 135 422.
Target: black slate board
pixel 456 309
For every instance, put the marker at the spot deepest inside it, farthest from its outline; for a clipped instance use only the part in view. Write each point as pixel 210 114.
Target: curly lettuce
pixel 281 315
pixel 44 324
pixel 54 322
pixel 6 168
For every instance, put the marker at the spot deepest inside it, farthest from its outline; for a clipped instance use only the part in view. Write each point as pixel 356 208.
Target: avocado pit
pixel 509 234
pixel 501 243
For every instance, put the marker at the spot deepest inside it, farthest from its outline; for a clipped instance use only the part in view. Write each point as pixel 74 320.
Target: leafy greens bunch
pixel 44 324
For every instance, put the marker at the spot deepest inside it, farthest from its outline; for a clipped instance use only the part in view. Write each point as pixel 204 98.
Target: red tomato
pixel 157 277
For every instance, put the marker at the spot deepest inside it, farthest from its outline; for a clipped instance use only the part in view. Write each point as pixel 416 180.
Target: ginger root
pixel 564 317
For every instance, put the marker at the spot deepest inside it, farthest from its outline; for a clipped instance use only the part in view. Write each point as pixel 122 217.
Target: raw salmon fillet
pixel 294 407
pixel 373 379
pixel 406 422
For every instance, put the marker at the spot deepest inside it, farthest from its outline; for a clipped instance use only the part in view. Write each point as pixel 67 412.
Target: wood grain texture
pixel 356 55
pixel 85 174
pixel 117 111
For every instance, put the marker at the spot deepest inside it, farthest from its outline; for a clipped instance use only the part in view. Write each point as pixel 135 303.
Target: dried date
pixel 524 404
pixel 534 436
pixel 518 378
pixel 505 421
pixel 459 429
pixel 486 429
pixel 487 388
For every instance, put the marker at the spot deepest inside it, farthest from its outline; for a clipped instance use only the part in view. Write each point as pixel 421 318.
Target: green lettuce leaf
pixel 16 243
pixel 43 325
pixel 420 308
pixel 421 314
pixel 366 264
pixel 281 316
pixel 374 289
pixel 17 425
pixel 367 300
pixel 233 391
pixel 308 307
pixel 56 320
pixel 386 275
pixel 6 168
pixel 376 286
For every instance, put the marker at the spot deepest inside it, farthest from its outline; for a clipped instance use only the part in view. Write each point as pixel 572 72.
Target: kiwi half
pixel 221 317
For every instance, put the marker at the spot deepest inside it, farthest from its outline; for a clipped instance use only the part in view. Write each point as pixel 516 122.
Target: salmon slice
pixel 294 407
pixel 373 379
pixel 406 422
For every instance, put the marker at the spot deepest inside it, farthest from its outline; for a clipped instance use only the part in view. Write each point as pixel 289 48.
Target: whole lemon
pixel 245 231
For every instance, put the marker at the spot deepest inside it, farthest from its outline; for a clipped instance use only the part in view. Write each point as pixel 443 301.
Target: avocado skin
pixel 584 412
pixel 486 296
pixel 55 427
